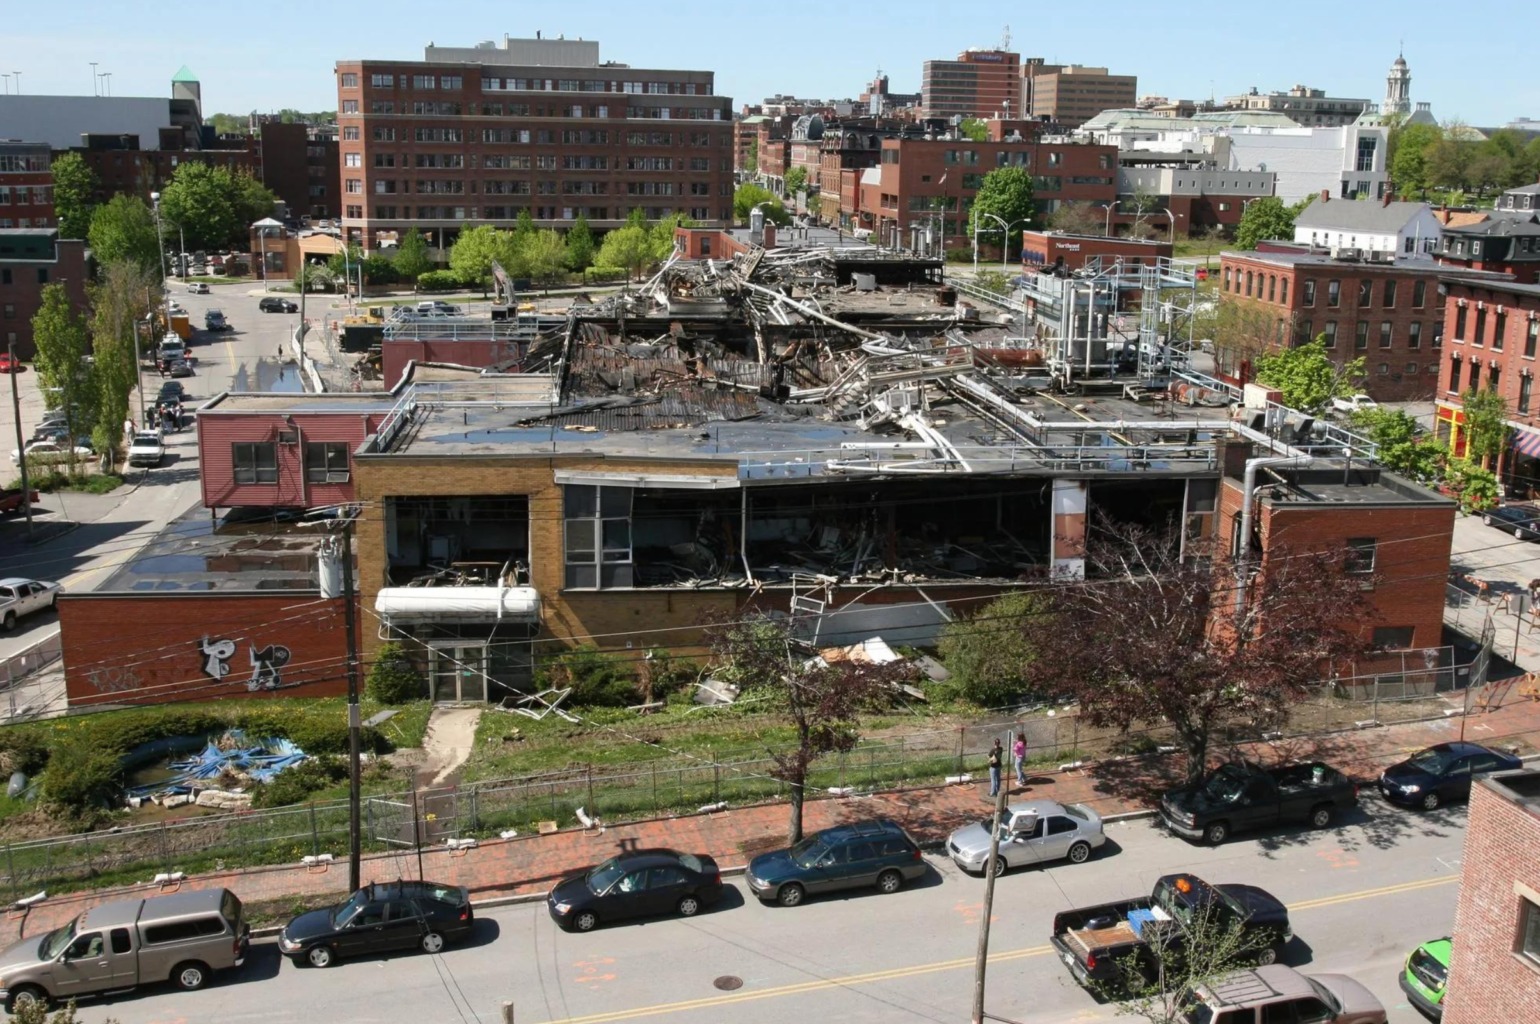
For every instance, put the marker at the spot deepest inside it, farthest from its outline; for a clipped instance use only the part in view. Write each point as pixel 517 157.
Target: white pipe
pixel 1248 487
pixel 807 310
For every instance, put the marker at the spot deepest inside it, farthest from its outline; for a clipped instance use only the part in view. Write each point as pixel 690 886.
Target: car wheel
pixel 1320 817
pixel 191 976
pixel 1001 867
pixel 586 921
pixel 9 623
pixel 1518 532
pixel 1216 833
pixel 53 602
pixel 1268 955
pixel 320 956
pixel 890 881
pixel 432 942
pixel 1487 520
pixel 689 906
pixel 1430 802
pixel 1080 853
pixel 23 996
pixel 790 895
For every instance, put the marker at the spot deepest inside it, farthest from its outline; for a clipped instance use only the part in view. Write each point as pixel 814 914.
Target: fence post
pixel 842 770
pixel 962 733
pixel 165 846
pixel 655 785
pixel 315 833
pixel 476 807
pixel 716 780
pixel 90 862
pixel 593 811
pixel 871 767
pixel 10 869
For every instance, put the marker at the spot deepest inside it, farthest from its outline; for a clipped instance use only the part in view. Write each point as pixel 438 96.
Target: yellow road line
pixel 822 984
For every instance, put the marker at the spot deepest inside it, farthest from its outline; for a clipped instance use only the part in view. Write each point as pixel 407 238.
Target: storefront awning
pixel 397 605
pixel 1527 442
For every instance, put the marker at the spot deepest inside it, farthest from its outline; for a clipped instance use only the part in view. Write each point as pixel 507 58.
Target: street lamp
pixel 1107 226
pixel 96 85
pixel 1005 241
pixel 1172 216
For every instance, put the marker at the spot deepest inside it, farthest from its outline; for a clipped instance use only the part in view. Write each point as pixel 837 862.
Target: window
pixel 451 82
pixel 422 81
pixel 1333 293
pixel 598 536
pixel 350 106
pixel 350 133
pixel 1385 333
pixel 1272 288
pixel 1438 334
pixel 1361 335
pixel 1226 284
pixel 181 931
pixel 1248 284
pixel 1360 556
pixel 349 80
pixel 1390 295
pixel 1499 328
pixel 255 463
pixel 42 275
pixel 1529 930
pixel 1480 335
pixel 1473 375
pixel 1419 294
pixel 326 462
pixel 120 941
pixel 1411 368
pixel 1459 323
pixel 353 160
pixel 1531 339
pixel 1495 379
pixel 1526 385
pixel 1283 291
pixel 1365 294
pixel 1329 331
pixel 354 185
pixel 382 81
pixel 1414 335
pixel 1307 293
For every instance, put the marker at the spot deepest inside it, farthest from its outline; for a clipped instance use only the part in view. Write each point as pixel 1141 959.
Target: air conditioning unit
pixel 337 476
pixel 288 437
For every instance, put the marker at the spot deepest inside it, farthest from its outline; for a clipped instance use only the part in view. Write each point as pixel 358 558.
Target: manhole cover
pixel 728 983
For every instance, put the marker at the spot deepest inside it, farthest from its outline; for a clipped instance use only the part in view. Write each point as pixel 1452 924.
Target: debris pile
pixel 220 775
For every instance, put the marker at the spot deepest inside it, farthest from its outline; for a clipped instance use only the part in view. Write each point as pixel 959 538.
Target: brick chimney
pixel 1388 198
pixel 1325 195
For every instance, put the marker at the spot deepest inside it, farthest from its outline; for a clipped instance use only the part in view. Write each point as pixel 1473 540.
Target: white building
pixel 1402 230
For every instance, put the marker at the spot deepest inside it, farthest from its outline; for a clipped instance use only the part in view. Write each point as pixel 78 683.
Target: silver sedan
pixel 1033 832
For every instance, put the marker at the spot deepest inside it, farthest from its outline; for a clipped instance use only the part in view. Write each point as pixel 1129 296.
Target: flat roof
pixel 1318 259
pixel 1339 482
pixel 195 553
pixel 298 401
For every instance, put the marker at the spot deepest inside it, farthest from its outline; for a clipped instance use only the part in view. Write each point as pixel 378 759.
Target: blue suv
pixel 878 854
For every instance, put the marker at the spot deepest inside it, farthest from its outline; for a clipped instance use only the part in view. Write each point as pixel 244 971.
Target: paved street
pixel 1359 896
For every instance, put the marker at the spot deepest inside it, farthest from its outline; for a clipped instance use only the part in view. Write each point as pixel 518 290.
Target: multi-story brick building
pixel 31 259
pixel 26 185
pixel 1390 313
pixel 1494 972
pixel 979 83
pixel 1072 94
pixel 301 166
pixel 1187 198
pixel 1507 240
pixel 1492 342
pixel 478 135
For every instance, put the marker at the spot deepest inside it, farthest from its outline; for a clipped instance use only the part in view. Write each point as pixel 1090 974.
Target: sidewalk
pixel 528 865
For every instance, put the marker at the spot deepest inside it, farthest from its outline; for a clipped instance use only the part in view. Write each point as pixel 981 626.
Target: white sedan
pixel 53 451
pixel 1033 832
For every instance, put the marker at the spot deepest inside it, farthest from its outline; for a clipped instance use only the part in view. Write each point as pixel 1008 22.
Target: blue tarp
pixel 261 761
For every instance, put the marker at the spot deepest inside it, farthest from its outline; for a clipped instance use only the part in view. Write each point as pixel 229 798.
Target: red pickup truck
pixel 15 499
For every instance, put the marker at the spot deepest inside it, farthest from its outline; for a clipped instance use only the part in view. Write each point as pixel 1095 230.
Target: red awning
pixel 1527 442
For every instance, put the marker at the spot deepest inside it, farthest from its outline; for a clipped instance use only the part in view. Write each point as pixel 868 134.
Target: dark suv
pixel 272 305
pixel 866 853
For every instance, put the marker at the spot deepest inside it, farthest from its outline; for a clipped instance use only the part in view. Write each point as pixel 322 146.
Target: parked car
pixel 1355 403
pixel 14 499
pixel 379 918
pixel 9 365
pixel 183 937
pixel 1425 974
pixel 179 368
pixel 198 287
pixel 1096 942
pixel 1441 773
pixel 642 883
pixel 53 451
pixel 1520 519
pixel 19 597
pixel 1241 796
pixel 146 449
pixel 275 305
pixel 214 320
pixel 867 853
pixel 1279 993
pixel 1034 832
pixel 172 390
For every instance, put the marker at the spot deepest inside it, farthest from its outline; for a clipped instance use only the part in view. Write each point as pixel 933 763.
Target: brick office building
pixel 1507 240
pixel 1072 94
pixel 478 135
pixel 979 83
pixel 1390 313
pixel 301 166
pixel 26 185
pixel 1494 972
pixel 31 259
pixel 1047 248
pixel 1492 341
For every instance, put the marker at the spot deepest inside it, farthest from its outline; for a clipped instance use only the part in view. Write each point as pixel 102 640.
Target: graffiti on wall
pixel 266 662
pixel 113 679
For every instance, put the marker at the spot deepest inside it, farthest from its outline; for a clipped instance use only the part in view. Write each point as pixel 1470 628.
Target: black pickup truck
pixel 1098 944
pixel 1241 796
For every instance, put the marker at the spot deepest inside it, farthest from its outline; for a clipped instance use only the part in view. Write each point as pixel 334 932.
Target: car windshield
pixel 808 852
pixel 1431 761
pixel 1326 996
pixel 605 875
pixel 343 913
pixel 57 941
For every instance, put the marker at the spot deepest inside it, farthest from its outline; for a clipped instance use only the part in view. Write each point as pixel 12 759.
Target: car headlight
pixel 1410 787
pixel 562 908
pixel 287 944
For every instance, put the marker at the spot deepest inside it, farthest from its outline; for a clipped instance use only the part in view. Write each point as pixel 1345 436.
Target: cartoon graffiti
pixel 112 679
pixel 216 657
pixel 265 665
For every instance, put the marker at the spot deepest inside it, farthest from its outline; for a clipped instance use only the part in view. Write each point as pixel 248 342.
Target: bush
pixel 988 653
pixel 79 784
pixel 393 679
pixel 27 752
pixel 597 678
pixel 603 275
pixel 439 281
pixel 292 785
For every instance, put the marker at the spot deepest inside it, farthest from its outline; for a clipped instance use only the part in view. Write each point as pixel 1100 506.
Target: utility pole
pixel 981 961
pixel 21 448
pixel 350 623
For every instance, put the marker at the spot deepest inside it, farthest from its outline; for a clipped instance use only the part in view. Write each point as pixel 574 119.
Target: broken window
pixel 457 538
pixel 597 536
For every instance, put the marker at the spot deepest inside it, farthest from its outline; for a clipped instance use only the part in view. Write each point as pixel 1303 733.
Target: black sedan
pixel 380 918
pixel 1523 521
pixel 643 883
pixel 1441 773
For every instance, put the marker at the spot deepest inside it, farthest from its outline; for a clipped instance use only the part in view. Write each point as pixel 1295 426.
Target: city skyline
pixel 1345 52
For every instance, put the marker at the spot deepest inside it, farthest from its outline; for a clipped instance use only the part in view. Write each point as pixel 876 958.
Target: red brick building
pixel 979 83
pixel 125 169
pixel 1047 248
pixel 30 259
pixel 477 135
pixel 1492 340
pixel 1494 973
pixel 26 185
pixel 1389 313
pixel 301 166
pixel 1507 240
pixel 845 151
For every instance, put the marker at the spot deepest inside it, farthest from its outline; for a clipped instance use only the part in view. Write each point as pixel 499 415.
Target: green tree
pixel 200 201
pixel 1006 192
pixel 796 181
pixel 989 654
pixel 251 200
pixel 661 235
pixel 393 679
pixel 580 246
pixel 344 266
pixel 1078 219
pixel 74 195
pixel 1307 376
pixel 412 257
pixel 63 342
pixel 1401 445
pixel 752 159
pixel 973 129
pixel 629 248
pixel 1450 158
pixel 748 196
pixel 1486 426
pixel 1264 219
pixel 123 230
pixel 378 269
pixel 544 256
pixel 474 251
pixel 1409 167
pixel 117 308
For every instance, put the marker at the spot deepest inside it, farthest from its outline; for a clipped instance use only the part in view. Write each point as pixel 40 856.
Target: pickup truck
pixel 1241 796
pixel 14 499
pixel 1353 403
pixel 1098 944
pixel 20 597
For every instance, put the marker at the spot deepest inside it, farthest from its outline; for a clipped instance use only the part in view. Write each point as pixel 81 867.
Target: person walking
pixel 996 759
pixel 1019 753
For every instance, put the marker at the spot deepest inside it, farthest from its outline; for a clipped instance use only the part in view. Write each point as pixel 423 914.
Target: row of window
pixel 545 187
pixel 257 462
pixel 701 213
pixel 7 277
pixel 1493 381
pixel 1275 288
pixel 1479 336
pixel 21 163
pixel 26 195
pixel 1385 334
pixel 452 83
pixel 454 109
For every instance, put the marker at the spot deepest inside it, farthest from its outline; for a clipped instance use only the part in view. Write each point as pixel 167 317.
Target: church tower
pixel 1398 89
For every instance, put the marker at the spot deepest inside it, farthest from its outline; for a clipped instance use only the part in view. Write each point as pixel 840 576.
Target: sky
pixel 281 53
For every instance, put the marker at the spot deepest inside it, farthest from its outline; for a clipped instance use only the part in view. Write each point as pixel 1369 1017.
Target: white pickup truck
pixel 20 597
pixel 146 449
